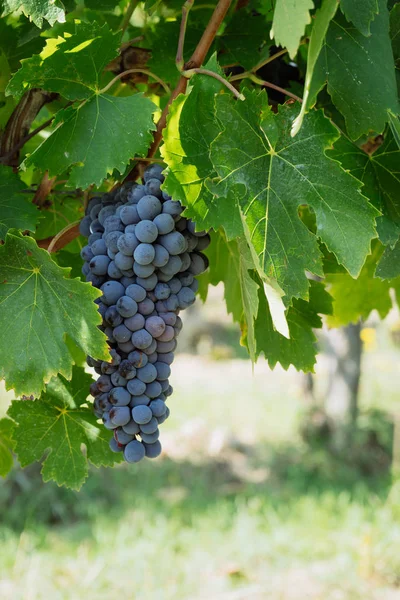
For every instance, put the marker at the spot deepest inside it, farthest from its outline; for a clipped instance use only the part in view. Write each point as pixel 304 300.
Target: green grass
pixel 239 509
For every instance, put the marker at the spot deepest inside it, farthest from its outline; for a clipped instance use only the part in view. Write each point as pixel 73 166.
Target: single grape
pixel 120 415
pixel 142 400
pixel 115 446
pixel 169 318
pixel 146 231
pixel 142 414
pixel 158 407
pixel 129 214
pixel 127 307
pixel 150 438
pixel 106 211
pixel 174 242
pixel 172 303
pixel 185 258
pixel 172 208
pixel 153 357
pixel 96 227
pixel 161 256
pixel 168 334
pixel 144 254
pixel 163 347
pixel 112 291
pixel 143 270
pixel 155 326
pixel 136 387
pixel 127 243
pixel 162 291
pixel 164 223
pixel 99 264
pixel 123 261
pixel 136 292
pixel 119 396
pixel 203 242
pixel 148 283
pixel 147 374
pixel 113 223
pixel 112 316
pixel 122 436
pixel 118 380
pixel 134 451
pixel 150 426
pixel 131 428
pixel 138 358
pixel 146 307
pixel 163 371
pixel 99 247
pixel 153 389
pixel 126 346
pixel 104 383
pixel 154 171
pixel 152 348
pixel 121 333
pixel 186 297
pixel 152 450
pixel 113 271
pixel 199 263
pixel 153 188
pixel 175 285
pixel 84 226
pixel 141 339
pixel 194 286
pixel 136 193
pixel 135 323
pixel 127 369
pixel 186 279
pixel 86 253
pixel 111 240
pixel 148 207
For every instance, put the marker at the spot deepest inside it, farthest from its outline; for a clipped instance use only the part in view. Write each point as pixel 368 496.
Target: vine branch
pixel 274 87
pixel 127 16
pixel 216 76
pixel 194 62
pixel 5 158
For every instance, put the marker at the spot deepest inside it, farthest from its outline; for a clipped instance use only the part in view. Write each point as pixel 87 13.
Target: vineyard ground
pixel 236 510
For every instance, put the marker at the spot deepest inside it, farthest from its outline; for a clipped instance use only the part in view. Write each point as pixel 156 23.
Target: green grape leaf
pixel 290 20
pixel 322 18
pixel 380 174
pixel 361 87
pixel 191 127
pixel 300 349
pixel 6 446
pixel 355 299
pixel 39 305
pixel 56 426
pixel 231 262
pixel 58 212
pixel 360 13
pixel 71 66
pixel 389 265
pixel 102 134
pixel 16 208
pixel 36 10
pixel 395 30
pixel 269 174
pixel 240 45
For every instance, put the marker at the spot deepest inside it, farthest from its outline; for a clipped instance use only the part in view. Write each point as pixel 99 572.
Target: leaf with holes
pixel 270 174
pixel 39 306
pixel 55 427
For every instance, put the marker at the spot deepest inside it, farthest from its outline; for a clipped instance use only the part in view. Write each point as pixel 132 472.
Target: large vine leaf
pixel 16 208
pixel 19 42
pixel 36 10
pixel 395 30
pixel 290 20
pixel 300 349
pixel 56 426
pixel 362 88
pixel 71 66
pixel 380 174
pixel 39 306
pixel 355 299
pixel 270 175
pixel 101 135
pixel 389 265
pixel 6 446
pixel 360 13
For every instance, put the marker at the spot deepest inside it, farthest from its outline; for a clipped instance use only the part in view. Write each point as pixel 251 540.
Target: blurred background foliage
pixel 252 499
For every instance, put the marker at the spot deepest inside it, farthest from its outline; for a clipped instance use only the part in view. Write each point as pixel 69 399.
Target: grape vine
pixel 275 130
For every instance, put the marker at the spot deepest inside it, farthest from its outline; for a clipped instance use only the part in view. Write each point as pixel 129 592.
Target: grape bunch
pixel 144 256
